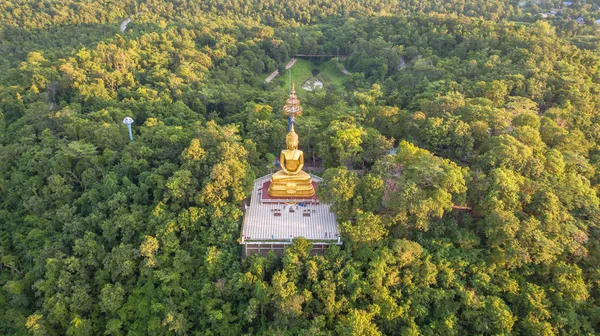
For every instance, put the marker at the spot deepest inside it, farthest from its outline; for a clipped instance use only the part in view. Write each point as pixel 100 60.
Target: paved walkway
pixel 276 72
pixel 271 76
pixel 124 24
pixel 290 63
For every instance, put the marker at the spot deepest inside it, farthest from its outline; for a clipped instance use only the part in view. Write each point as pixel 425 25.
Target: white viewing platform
pixel 270 224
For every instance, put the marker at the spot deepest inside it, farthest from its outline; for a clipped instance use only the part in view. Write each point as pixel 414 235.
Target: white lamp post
pixel 128 121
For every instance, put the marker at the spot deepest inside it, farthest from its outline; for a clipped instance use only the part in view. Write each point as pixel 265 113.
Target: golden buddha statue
pixel 291 180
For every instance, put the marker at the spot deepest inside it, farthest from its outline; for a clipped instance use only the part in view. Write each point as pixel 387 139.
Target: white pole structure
pixel 128 121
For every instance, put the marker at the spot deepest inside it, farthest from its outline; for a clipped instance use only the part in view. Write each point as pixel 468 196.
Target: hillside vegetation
pixel 486 221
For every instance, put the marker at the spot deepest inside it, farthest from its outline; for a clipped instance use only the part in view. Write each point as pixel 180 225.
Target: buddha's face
pixel 292 144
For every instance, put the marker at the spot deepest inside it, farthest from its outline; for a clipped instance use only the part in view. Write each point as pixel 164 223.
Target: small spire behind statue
pixel 292 107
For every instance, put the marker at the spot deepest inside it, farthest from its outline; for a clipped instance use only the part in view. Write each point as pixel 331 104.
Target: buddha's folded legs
pixel 283 185
pixel 281 176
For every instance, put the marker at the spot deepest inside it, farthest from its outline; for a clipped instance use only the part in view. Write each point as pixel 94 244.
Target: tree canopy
pixel 458 143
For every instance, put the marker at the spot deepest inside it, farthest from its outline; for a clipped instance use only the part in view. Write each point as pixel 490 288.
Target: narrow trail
pixel 290 63
pixel 271 76
pixel 129 19
pixel 124 24
pixel 276 72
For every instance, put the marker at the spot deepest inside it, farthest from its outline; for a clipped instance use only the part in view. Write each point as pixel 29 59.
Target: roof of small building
pixel 311 220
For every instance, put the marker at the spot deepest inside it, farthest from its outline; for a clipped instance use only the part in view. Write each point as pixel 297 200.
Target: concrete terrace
pixel 286 219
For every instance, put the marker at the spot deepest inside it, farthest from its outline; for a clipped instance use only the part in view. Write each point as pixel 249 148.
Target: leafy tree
pixel 341 143
pixel 338 188
pixel 357 322
pixel 420 186
pixel 367 229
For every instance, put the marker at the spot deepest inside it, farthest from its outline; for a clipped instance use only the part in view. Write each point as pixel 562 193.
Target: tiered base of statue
pixel 284 185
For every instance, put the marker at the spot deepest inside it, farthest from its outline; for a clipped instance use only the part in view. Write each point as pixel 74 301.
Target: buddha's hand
pixel 289 171
pixel 286 170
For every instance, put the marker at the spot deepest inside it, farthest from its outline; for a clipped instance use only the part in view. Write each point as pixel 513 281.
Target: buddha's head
pixel 292 139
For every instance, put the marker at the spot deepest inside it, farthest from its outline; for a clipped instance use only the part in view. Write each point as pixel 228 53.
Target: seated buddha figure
pixel 291 180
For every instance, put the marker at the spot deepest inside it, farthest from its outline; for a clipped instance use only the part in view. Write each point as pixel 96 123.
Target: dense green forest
pixel 486 221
